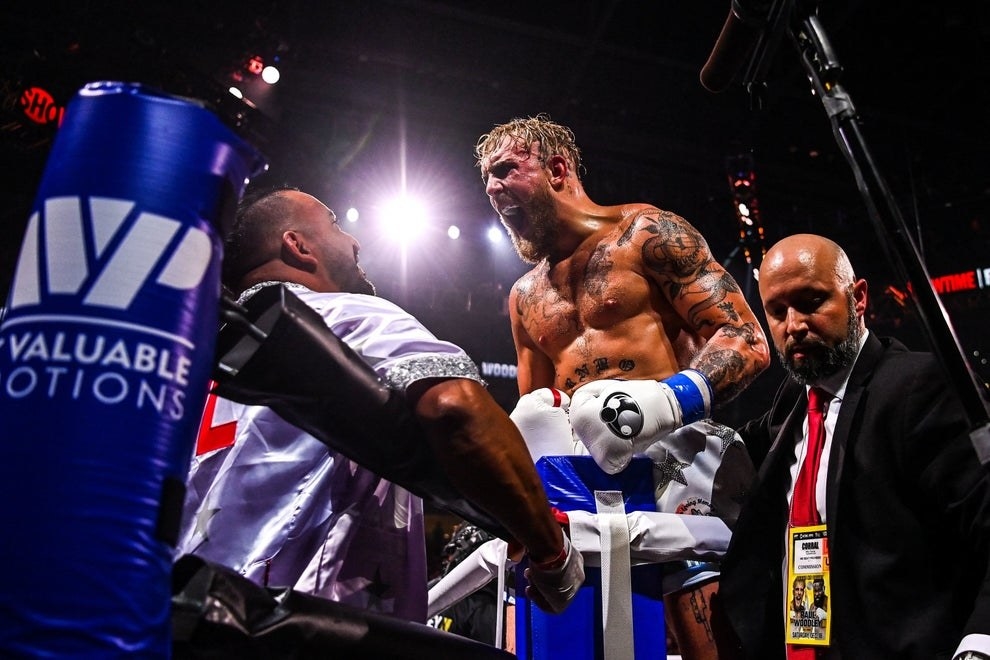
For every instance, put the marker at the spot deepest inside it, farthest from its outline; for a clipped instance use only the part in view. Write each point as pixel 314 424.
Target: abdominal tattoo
pixel 598 366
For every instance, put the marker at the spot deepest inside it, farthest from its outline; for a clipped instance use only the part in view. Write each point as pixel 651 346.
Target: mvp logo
pixel 107 265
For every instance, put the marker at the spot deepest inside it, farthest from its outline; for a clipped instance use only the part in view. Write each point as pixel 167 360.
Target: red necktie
pixel 804 508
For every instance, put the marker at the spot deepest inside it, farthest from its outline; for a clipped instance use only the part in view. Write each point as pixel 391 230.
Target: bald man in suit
pixel 900 490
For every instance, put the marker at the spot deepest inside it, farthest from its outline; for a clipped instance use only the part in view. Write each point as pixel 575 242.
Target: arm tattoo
pixel 747 331
pixel 677 251
pixel 717 286
pixel 729 310
pixel 726 371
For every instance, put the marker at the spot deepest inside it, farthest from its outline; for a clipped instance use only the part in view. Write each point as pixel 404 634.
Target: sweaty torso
pixel 599 314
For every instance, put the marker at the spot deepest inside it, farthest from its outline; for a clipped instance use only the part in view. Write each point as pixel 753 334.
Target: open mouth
pixel 508 211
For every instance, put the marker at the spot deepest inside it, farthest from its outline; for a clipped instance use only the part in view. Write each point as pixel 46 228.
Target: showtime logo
pixel 105 260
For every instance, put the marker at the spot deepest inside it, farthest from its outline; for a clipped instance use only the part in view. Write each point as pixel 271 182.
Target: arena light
pixel 352 214
pixel 270 74
pixel 403 219
pixel 742 183
pixel 453 232
pixel 255 65
pixel 495 234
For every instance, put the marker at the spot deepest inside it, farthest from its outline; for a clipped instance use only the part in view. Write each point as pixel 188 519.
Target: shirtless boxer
pixel 625 309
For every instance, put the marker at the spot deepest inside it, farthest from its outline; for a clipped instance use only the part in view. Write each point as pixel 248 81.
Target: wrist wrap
pixel 693 392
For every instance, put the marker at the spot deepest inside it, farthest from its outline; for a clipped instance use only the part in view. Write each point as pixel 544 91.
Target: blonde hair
pixel 553 138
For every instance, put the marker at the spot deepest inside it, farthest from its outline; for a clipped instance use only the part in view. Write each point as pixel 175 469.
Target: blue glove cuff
pixel 693 392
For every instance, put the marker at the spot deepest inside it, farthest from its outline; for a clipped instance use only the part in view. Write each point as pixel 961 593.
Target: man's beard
pixel 350 278
pixel 831 359
pixel 544 230
pixel 364 285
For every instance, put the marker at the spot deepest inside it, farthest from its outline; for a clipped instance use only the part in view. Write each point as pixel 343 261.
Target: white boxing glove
pixel 541 417
pixel 616 419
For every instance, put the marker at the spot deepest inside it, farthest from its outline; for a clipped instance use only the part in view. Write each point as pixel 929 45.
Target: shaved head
pixel 287 235
pixel 814 306
pixel 256 235
pixel 815 253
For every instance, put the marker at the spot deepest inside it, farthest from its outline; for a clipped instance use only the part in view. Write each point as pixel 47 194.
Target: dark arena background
pixel 380 99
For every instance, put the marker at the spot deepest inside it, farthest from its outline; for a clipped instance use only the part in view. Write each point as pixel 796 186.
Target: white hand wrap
pixel 616 419
pixel 541 417
pixel 552 590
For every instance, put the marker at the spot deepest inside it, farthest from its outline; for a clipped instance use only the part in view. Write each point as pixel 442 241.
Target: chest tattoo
pixel 540 307
pixel 597 272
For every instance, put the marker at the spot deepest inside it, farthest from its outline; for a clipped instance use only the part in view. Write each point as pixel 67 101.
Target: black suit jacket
pixel 908 517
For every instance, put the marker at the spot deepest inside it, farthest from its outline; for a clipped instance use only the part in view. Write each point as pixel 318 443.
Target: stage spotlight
pixel 270 74
pixel 495 234
pixel 236 93
pixel 403 219
pixel 352 214
pixel 454 232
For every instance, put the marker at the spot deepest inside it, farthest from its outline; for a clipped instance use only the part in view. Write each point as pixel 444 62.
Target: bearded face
pixel 518 187
pixel 822 360
pixel 538 227
pixel 351 279
pixel 818 591
pixel 339 255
